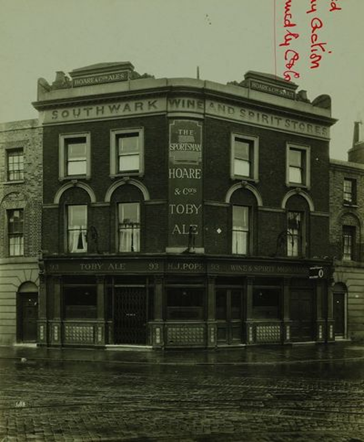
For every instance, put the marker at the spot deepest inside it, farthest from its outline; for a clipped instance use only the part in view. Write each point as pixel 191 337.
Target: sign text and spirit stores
pixel 211 108
pixel 185 185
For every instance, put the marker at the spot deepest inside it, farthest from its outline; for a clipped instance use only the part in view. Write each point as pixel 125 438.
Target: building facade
pixel 182 212
pixel 346 229
pixel 21 184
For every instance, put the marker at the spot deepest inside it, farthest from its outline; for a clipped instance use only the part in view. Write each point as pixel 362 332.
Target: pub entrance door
pixel 339 314
pixel 130 316
pixel 229 314
pixel 27 317
pixel 302 315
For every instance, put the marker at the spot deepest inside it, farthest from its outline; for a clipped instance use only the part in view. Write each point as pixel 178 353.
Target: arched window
pixel 243 213
pixel 74 211
pixel 127 203
pixel 297 226
pixel 350 237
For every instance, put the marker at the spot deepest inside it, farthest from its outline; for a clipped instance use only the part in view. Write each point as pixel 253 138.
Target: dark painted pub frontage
pixel 193 302
pixel 182 212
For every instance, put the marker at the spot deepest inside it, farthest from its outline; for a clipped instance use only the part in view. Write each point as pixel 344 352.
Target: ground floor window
pixel 185 303
pixel 266 300
pixel 80 302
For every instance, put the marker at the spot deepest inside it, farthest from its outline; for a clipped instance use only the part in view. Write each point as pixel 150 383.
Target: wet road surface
pixel 50 400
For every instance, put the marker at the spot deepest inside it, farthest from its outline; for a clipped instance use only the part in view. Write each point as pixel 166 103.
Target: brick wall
pixel 14 271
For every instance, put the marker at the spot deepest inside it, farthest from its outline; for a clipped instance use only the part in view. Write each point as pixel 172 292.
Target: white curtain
pixel 127 237
pixel 77 239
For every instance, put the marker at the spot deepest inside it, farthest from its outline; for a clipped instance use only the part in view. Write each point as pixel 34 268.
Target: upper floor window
pixel 348 243
pixel 241 230
pixel 294 233
pixel 127 152
pixel 77 228
pixel 15 164
pixel 74 156
pixel 129 227
pixel 244 157
pixel 349 191
pixel 16 232
pixel 298 165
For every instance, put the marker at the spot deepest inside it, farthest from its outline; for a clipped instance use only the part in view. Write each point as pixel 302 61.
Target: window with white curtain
pixel 294 233
pixel 16 232
pixel 240 237
pixel 129 227
pixel 77 228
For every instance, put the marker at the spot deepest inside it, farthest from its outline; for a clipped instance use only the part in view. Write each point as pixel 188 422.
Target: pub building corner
pixel 183 213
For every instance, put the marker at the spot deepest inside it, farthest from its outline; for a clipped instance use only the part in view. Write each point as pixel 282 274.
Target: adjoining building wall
pixel 347 248
pixel 20 192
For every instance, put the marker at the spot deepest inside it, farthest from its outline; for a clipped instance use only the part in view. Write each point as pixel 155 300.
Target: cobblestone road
pixel 69 401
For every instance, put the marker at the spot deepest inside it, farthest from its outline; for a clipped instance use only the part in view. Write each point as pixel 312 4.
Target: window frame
pixel 63 155
pixel 306 150
pixel 353 182
pixel 67 240
pixel 8 152
pixel 114 154
pixel 118 227
pixel 253 157
pixel 19 234
pixel 247 230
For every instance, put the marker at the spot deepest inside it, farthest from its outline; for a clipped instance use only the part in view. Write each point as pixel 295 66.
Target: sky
pixel 170 38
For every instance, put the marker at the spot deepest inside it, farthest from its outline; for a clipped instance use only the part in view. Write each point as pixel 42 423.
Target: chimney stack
pixel 356 153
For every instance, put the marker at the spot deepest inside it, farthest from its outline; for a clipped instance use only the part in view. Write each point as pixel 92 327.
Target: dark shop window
pixel 266 302
pixel 185 304
pixel 80 302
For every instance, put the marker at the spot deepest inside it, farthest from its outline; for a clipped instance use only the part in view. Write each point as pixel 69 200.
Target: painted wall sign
pixel 103 266
pixel 185 184
pixel 275 90
pixel 102 78
pixel 258 269
pixel 113 266
pixel 207 107
pixel 267 120
pixel 103 111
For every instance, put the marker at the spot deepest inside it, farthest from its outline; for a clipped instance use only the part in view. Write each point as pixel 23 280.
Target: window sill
pixel 353 205
pixel 245 178
pixel 298 186
pixel 13 182
pixel 74 177
pixel 126 175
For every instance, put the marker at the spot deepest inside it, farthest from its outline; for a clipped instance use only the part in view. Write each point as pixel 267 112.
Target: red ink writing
pixel 317 47
pixel 290 56
pixel 334 6
pixel 313 7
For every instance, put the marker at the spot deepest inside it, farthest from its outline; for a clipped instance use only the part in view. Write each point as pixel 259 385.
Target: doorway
pixel 339 314
pixel 27 313
pixel 302 315
pixel 229 313
pixel 130 316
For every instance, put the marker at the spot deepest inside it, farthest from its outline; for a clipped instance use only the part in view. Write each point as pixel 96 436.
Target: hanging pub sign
pixel 185 185
pixel 316 272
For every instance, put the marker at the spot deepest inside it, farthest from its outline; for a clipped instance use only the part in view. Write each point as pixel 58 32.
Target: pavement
pixel 253 355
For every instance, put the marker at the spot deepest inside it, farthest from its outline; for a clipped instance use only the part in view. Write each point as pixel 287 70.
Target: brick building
pixel 183 213
pixel 20 223
pixel 346 230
